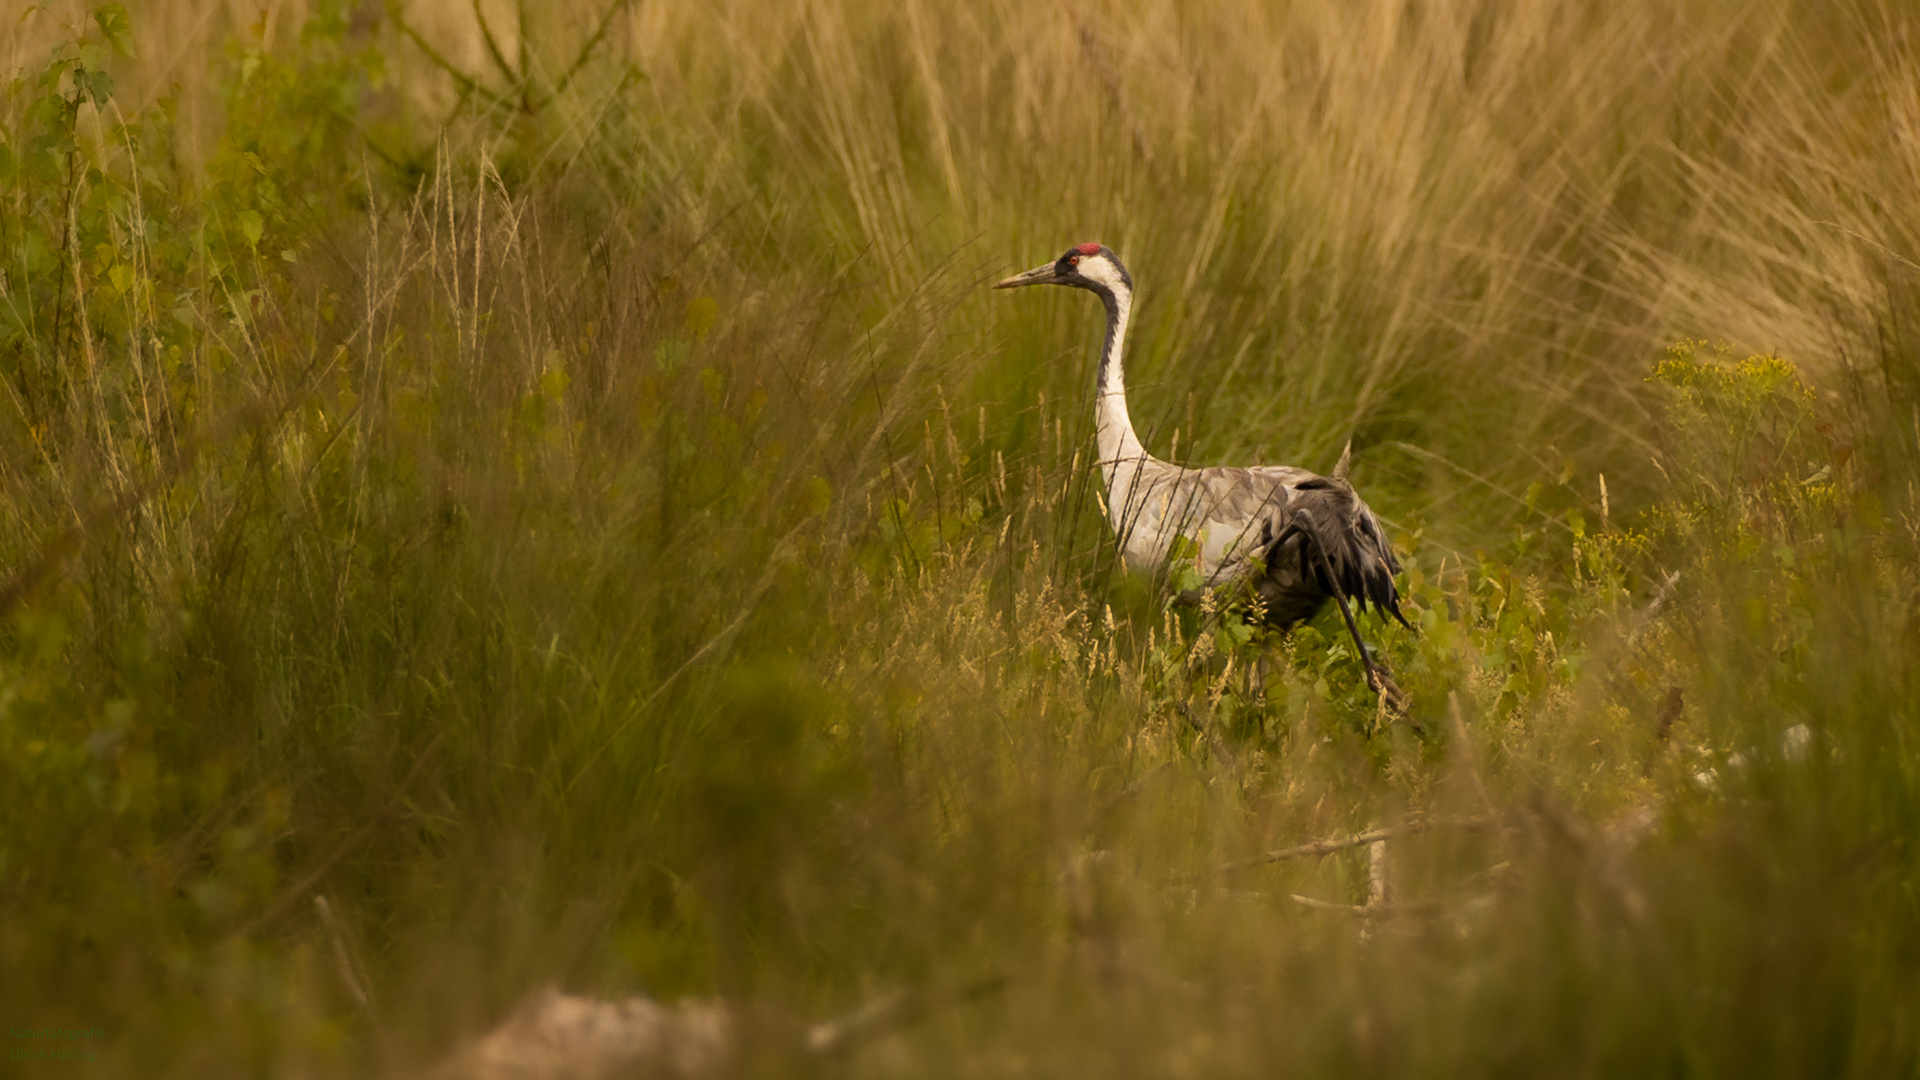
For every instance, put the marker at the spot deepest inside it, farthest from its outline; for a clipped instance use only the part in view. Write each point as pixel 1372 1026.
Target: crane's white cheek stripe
pixel 1099 268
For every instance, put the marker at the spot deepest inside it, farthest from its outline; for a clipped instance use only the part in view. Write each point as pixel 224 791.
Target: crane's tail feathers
pixel 1357 551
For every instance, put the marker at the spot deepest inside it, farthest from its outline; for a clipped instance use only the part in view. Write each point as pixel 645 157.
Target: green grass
pixel 580 511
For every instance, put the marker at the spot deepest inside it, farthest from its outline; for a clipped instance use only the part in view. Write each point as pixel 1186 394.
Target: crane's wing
pixel 1222 510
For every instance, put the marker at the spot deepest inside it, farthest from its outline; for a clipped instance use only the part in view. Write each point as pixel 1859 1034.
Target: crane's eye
pixel 1075 261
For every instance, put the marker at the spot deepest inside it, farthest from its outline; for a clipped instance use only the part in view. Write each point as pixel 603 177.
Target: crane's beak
pixel 1039 275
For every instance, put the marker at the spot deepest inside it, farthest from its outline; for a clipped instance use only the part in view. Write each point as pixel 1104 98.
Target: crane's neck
pixel 1120 448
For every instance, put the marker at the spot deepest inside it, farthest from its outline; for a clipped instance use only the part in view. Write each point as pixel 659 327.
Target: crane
pixel 1295 537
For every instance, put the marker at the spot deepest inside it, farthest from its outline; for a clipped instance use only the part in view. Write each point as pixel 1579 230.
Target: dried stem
pixel 1340 843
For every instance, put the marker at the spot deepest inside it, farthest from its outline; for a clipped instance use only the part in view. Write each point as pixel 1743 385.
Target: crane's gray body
pixel 1236 517
pixel 1246 525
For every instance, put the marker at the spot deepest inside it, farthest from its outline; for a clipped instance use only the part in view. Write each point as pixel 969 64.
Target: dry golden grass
pixel 579 512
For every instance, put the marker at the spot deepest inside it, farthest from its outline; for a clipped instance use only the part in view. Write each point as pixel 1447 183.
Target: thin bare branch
pixel 1365 911
pixel 465 81
pixel 1341 843
pixel 493 46
pixel 593 42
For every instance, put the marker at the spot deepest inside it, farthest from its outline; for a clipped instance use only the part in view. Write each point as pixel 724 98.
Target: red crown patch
pixel 1088 249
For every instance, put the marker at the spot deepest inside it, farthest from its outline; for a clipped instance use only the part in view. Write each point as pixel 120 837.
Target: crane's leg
pixel 1377 679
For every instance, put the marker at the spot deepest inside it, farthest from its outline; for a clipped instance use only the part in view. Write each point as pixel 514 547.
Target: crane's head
pixel 1088 266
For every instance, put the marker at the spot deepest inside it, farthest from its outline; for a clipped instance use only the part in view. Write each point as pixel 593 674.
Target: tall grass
pixel 558 490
